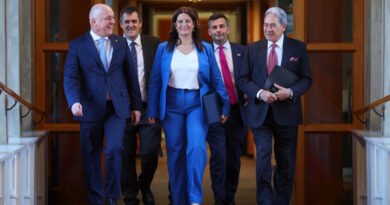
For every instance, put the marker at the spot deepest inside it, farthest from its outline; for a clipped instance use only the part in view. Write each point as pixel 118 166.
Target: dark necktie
pixel 226 76
pixel 272 58
pixel 102 53
pixel 133 55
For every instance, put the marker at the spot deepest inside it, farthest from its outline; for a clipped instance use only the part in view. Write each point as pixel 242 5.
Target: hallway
pixel 246 193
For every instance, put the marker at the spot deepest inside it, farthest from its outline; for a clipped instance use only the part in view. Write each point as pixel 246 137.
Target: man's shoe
pixel 148 198
pixel 111 202
pixel 131 202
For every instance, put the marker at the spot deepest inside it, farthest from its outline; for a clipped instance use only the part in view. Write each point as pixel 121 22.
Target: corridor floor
pixel 246 194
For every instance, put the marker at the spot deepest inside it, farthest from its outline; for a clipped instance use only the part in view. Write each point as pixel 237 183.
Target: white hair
pixel 280 13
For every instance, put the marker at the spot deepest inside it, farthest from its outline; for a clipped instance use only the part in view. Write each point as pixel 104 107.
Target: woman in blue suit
pixel 184 70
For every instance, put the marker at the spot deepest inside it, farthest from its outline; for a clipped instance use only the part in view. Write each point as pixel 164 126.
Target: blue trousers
pixel 185 135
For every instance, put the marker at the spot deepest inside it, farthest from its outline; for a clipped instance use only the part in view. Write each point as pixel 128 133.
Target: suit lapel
pixel 236 55
pixel 262 57
pixel 146 51
pixel 115 47
pixel 286 52
pixel 91 47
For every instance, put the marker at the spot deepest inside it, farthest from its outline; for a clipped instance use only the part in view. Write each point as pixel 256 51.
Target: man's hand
pixel 268 97
pixel 77 109
pixel 135 116
pixel 224 119
pixel 282 93
pixel 151 120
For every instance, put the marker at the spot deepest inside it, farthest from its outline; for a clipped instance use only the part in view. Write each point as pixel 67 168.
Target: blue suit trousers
pixel 185 135
pixel 91 139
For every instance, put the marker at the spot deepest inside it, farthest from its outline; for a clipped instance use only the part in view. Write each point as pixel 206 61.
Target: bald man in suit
pixel 99 84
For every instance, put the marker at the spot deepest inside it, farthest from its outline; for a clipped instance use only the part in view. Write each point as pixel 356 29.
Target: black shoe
pixel 112 202
pixel 148 198
pixel 131 202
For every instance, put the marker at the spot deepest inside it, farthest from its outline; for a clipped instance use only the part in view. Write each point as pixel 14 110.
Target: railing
pixel 22 101
pixel 371 106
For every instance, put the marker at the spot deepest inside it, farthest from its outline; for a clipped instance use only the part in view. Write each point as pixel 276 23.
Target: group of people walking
pixel 119 87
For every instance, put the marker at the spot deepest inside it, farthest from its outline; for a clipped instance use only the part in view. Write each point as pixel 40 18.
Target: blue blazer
pixel 87 82
pixel 253 75
pixel 209 79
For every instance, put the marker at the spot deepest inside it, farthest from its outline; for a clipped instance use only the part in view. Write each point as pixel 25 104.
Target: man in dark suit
pixel 98 83
pixel 149 134
pixel 226 141
pixel 274 114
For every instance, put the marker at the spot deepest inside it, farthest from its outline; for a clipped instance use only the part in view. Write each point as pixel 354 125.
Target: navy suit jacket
pixel 253 75
pixel 87 82
pixel 237 56
pixel 149 47
pixel 209 77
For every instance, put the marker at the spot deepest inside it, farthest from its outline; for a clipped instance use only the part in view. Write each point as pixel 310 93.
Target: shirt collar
pixel 225 45
pixel 279 42
pixel 137 40
pixel 96 37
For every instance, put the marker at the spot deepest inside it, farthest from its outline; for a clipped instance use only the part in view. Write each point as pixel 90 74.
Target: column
pixel 386 64
pixel 3 123
pixel 13 62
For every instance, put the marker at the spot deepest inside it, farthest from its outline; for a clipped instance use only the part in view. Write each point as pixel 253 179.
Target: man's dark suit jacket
pixel 87 82
pixel 149 47
pixel 237 55
pixel 253 75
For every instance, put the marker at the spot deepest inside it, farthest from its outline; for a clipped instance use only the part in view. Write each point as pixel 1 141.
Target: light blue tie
pixel 102 53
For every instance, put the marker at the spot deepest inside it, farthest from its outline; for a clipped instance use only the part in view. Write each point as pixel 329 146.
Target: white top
pixel 184 70
pixel 229 58
pixel 107 42
pixel 140 66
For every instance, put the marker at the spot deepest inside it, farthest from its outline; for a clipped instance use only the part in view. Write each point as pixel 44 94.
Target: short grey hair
pixel 280 13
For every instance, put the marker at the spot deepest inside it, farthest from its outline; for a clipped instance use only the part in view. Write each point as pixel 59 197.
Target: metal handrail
pixel 22 101
pixel 371 106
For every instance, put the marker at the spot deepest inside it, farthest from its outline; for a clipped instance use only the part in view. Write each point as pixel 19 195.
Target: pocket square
pixel 238 54
pixel 293 59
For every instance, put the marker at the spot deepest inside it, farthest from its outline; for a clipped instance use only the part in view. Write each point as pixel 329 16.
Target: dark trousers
pixel 149 147
pixel 226 142
pixel 285 153
pixel 91 141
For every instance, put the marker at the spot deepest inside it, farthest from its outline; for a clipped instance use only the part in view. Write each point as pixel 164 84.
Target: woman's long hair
pixel 174 39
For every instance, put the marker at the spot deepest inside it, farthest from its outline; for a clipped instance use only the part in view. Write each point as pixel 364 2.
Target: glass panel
pixel 66 19
pixel 56 105
pixel 287 5
pixel 328 163
pixel 329 21
pixel 329 100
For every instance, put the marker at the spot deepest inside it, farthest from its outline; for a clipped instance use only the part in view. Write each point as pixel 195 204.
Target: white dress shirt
pixel 227 49
pixel 108 46
pixel 140 66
